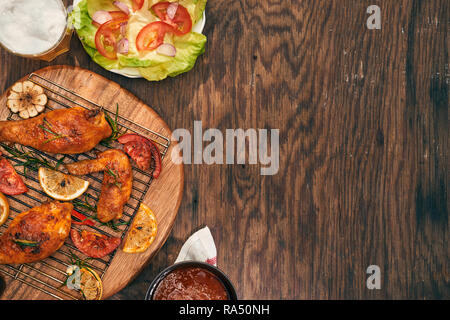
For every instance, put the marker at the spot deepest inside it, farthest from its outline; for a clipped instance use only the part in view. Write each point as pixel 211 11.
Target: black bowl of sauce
pixel 191 280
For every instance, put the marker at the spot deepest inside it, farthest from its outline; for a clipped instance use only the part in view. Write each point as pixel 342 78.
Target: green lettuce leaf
pixel 189 47
pixel 107 5
pixel 195 8
pixel 101 60
pixel 82 23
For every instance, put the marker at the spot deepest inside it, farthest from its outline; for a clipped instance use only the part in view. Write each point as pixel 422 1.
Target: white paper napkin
pixel 199 247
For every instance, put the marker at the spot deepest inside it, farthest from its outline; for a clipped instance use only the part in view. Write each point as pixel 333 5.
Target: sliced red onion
pixel 101 17
pixel 123 29
pixel 122 6
pixel 167 49
pixel 122 46
pixel 172 10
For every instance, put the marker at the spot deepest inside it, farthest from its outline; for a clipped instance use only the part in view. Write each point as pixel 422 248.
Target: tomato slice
pixel 142 150
pixel 10 181
pixel 137 4
pixel 107 37
pixel 140 153
pixel 181 22
pixel 115 16
pixel 93 244
pixel 152 36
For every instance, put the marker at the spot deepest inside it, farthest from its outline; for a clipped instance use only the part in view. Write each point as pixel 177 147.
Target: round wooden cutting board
pixel 163 197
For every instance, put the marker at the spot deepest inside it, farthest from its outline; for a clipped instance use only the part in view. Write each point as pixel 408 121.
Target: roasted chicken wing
pixel 116 185
pixel 67 131
pixel 35 234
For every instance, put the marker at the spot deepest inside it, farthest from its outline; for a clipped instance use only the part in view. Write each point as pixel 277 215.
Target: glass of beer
pixel 36 29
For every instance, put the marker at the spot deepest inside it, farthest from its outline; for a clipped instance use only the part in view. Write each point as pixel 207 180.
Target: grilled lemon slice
pixel 61 186
pixel 91 284
pixel 4 209
pixel 142 231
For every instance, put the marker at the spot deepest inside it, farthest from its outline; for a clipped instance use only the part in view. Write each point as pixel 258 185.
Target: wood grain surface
pixel 363 119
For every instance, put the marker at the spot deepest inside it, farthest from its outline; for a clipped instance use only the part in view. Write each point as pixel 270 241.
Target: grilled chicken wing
pixel 67 131
pixel 35 234
pixel 116 185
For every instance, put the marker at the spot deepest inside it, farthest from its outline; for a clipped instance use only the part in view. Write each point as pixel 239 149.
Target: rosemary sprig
pixel 60 162
pixel 43 127
pixel 49 130
pixel 117 130
pixel 113 225
pixel 26 243
pixel 86 205
pixel 31 160
pixel 76 261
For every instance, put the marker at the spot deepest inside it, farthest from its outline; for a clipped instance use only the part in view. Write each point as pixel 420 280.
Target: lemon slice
pixel 4 209
pixel 61 186
pixel 90 284
pixel 142 231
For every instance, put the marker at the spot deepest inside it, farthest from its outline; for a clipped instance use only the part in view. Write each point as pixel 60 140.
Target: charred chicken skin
pixel 35 234
pixel 116 185
pixel 66 131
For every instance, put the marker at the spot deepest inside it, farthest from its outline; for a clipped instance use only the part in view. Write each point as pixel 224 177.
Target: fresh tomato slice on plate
pixel 107 37
pixel 181 21
pixel 137 4
pixel 115 16
pixel 142 150
pixel 93 244
pixel 152 36
pixel 10 181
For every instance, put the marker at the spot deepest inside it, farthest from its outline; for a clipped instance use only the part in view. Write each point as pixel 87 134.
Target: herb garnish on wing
pixel 47 127
pixel 117 130
pixel 31 159
pixel 87 206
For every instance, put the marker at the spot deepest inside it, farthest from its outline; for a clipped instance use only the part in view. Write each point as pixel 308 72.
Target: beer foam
pixel 31 27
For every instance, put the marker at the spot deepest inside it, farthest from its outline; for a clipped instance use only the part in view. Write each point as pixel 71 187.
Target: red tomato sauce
pixel 190 283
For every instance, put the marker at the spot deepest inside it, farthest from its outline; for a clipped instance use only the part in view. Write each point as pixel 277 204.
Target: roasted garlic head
pixel 27 99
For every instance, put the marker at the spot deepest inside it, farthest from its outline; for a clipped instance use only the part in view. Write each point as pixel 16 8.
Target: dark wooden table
pixel 363 119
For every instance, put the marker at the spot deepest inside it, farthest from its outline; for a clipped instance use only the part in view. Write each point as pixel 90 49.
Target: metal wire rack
pixel 49 274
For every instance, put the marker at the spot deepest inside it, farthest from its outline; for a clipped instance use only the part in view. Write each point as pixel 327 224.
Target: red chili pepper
pixel 84 220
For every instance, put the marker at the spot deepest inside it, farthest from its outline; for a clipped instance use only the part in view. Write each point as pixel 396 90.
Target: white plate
pixel 134 72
